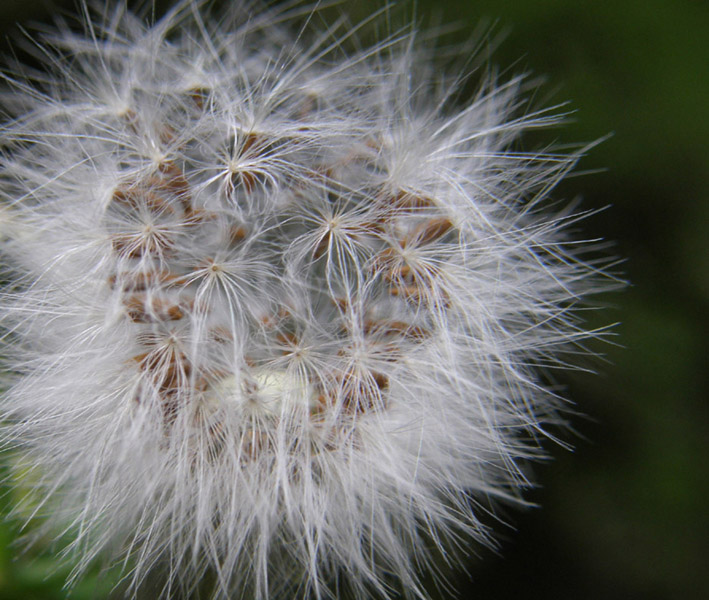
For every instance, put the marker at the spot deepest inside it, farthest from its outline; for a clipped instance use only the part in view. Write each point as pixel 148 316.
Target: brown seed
pixel 396 327
pixel 141 280
pixel 379 220
pixel 402 272
pixel 208 378
pixel 221 335
pixel 358 394
pixel 390 352
pixel 136 309
pixel 137 198
pixel 323 245
pixel 140 310
pixel 167 367
pixel 199 95
pixel 198 216
pixel 417 295
pixel 177 184
pixel 250 140
pixel 237 234
pixel 381 380
pixel 174 313
pixel 169 169
pixel 269 321
pixel 272 320
pixel 410 201
pixel 321 405
pixel 248 180
pixel 129 245
pixel 137 244
pixel 131 118
pixel 286 338
pixel 393 266
pixel 125 197
pixel 342 304
pixel 430 231
pixel 217 432
pixel 173 180
pixel 254 443
pixel 252 146
pixel 174 376
pixel 140 358
pixel 323 176
pixel 406 291
pixel 167 134
pixel 386 258
pixel 307 106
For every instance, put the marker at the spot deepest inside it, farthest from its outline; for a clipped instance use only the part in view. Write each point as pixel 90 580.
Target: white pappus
pixel 277 310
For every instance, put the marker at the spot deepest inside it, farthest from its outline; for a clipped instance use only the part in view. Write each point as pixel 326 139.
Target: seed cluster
pixel 224 276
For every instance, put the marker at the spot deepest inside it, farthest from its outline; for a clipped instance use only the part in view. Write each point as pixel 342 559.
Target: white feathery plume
pixel 277 310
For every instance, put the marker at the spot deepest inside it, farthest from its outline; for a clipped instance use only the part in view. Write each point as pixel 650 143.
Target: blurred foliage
pixel 624 515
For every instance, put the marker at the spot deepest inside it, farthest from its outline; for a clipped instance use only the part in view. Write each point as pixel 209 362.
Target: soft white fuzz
pixel 277 310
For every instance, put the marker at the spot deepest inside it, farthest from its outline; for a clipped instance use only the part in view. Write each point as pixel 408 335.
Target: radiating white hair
pixel 277 308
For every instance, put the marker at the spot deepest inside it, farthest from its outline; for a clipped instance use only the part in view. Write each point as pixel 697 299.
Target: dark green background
pixel 625 514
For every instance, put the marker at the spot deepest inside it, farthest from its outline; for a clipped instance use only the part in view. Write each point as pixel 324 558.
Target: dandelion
pixel 278 310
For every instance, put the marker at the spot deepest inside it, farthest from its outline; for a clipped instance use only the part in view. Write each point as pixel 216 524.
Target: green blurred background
pixel 625 514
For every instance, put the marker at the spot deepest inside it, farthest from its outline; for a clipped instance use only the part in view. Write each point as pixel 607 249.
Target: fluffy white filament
pixel 276 309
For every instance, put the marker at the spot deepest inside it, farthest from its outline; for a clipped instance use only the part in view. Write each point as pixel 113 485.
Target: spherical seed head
pixel 278 311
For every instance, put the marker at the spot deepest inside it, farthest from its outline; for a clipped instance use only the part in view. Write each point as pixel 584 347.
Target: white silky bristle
pixel 277 309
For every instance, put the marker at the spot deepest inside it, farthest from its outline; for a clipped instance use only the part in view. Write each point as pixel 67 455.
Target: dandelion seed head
pixel 280 306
